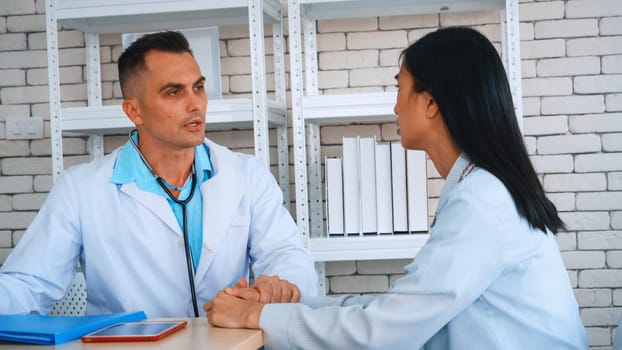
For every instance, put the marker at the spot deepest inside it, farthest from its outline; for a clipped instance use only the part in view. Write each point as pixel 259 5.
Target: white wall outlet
pixel 24 128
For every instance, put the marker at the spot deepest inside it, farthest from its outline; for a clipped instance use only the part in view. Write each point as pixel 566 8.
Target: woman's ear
pixel 132 110
pixel 431 106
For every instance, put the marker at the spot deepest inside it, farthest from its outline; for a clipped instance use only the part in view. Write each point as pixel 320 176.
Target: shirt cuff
pixel 274 320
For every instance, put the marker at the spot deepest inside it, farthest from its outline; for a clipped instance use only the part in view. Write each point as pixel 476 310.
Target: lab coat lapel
pixel 154 203
pixel 221 198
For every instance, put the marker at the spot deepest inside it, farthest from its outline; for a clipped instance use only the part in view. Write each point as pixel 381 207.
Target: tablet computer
pixel 134 331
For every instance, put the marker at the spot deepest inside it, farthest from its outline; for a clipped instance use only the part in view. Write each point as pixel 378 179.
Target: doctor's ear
pixel 132 110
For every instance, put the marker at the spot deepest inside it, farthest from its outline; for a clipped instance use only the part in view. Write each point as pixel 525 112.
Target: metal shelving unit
pixel 95 17
pixel 310 110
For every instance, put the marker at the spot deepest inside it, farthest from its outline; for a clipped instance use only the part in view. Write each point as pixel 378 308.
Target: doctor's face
pixel 170 101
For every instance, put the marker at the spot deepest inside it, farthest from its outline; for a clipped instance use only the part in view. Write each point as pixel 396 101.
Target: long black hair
pixel 464 74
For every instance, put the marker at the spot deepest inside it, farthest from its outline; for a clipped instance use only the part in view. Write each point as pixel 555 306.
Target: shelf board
pixel 126 16
pixel 347 108
pixel 402 246
pixel 333 9
pixel 222 114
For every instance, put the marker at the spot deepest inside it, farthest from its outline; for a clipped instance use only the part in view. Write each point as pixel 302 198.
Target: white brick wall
pixel 572 86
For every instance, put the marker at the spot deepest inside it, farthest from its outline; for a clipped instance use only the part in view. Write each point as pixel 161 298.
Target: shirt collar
pixel 454 174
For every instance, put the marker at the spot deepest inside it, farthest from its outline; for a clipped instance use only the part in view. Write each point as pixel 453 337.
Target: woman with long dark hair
pixel 491 275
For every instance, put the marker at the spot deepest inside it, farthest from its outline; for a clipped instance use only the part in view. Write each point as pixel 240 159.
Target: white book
pixel 417 191
pixel 334 196
pixel 398 186
pixel 384 202
pixel 367 165
pixel 351 186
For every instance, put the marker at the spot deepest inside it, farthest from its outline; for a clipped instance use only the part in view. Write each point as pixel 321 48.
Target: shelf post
pixel 54 88
pixel 94 91
pixel 510 48
pixel 258 69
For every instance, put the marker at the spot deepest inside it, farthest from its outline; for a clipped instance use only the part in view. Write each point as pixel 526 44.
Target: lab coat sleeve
pixel 463 256
pixel 275 247
pixel 42 265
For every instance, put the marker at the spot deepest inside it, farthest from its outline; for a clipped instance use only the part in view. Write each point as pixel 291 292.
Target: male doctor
pixel 167 220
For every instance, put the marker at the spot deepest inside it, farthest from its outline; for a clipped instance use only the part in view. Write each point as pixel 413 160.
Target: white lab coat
pixel 131 247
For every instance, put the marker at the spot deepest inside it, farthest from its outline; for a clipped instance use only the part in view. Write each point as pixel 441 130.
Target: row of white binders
pixel 376 188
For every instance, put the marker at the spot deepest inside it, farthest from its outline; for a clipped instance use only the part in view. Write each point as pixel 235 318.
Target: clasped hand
pixel 240 306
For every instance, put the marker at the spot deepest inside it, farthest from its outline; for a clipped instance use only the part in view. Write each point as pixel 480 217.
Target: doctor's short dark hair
pixel 463 72
pixel 132 60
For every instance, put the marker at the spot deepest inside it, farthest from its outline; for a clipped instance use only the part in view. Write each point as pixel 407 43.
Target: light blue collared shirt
pixel 484 280
pixel 130 168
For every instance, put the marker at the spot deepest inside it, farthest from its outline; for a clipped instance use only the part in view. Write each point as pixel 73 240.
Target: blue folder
pixel 53 330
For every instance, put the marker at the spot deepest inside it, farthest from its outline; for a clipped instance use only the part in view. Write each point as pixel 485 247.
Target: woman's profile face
pixel 411 110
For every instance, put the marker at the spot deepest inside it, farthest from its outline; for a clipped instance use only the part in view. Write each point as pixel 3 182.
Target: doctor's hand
pixel 272 289
pixel 232 312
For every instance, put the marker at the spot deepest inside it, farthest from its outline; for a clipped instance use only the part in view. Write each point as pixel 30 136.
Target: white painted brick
pixel 617 297
pixel 232 139
pixel 600 240
pixel 566 28
pixel 568 66
pixel 332 79
pixel 531 106
pixel 68 75
pixel 240 83
pixel 333 135
pixel 110 39
pixel 17 235
pixel 543 48
pixel 598 83
pixel 5 203
pixel 528 68
pixel 612 142
pixel 23 59
pixel 358 284
pixel 594 46
pixel 14 148
pixel 611 26
pixel 530 145
pixel 469 18
pixel 585 220
pixel 552 164
pixel 609 122
pixel 371 267
pixel 5 239
pixel 435 187
pixel 232 32
pixel 116 52
pixel 66 38
pixel 595 316
pixel 573 104
pixel 599 201
pixel 598 162
pixel 40 6
pixel 348 59
pixel 566 241
pixel 547 86
pixel 2 24
pixel 562 201
pixel 28 201
pixel 548 125
pixel 340 268
pixel 105 54
pixel 593 297
pixel 526 31
pixel 394 278
pixel 27 23
pixel 109 72
pixel 17 7
pixel 235 65
pixel 71 146
pixel 416 21
pixel 568 144
pixel 600 278
pixel 12 41
pixel 13 110
pixel 598 336
pixel 71 57
pixel 534 11
pixel 584 260
pixel 16 220
pixel 614 259
pixel 331 42
pixel 416 34
pixel 238 47
pixel 593 8
pixel 575 182
pixel 613 102
pixel 490 31
pixel 377 40
pixel 12 77
pixel 572 276
pixel 372 76
pixel 347 25
pixel 389 132
pixel 390 57
pixel 43 183
pixel 4 253
pixel 24 94
pixel 614 181
pixel 74 160
pixel 73 92
pixel 26 166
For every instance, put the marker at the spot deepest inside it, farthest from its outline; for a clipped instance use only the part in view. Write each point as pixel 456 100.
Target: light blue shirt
pixel 130 168
pixel 484 280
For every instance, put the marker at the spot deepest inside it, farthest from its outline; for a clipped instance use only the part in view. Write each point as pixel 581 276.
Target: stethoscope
pixel 167 188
